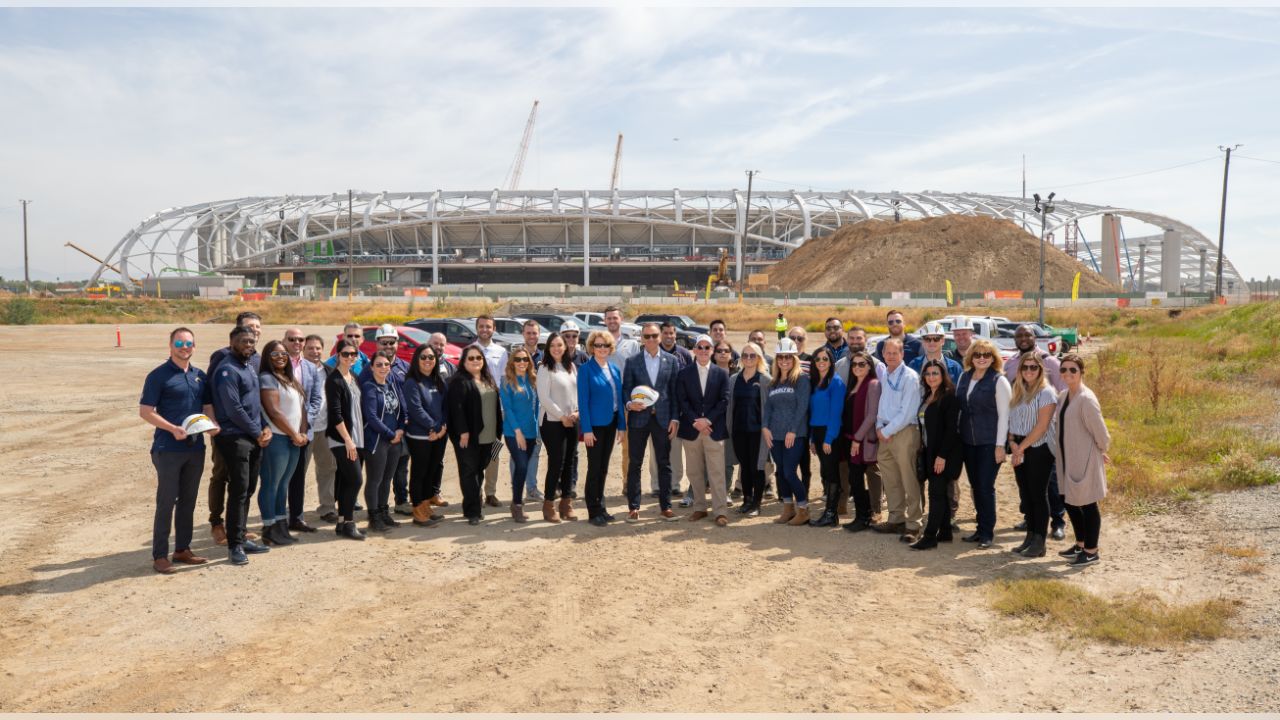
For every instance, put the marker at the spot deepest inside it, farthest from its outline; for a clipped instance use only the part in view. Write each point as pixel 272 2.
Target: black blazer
pixel 465 413
pixel 341 405
pixel 942 430
pixel 694 404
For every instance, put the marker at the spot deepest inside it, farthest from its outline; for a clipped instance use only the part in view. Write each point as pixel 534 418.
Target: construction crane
pixel 517 166
pixel 73 246
pixel 617 165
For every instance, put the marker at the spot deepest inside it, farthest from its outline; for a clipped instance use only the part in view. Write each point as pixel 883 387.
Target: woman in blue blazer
pixel 382 409
pixel 600 414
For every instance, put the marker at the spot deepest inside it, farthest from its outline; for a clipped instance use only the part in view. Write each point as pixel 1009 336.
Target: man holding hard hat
pixel 177 400
pixel 648 381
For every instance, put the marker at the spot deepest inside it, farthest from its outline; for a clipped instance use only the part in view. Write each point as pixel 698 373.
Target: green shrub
pixel 18 311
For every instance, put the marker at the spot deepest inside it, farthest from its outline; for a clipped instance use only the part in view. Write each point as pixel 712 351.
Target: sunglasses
pixel 279 354
pixel 520 360
pixel 982 356
pixel 749 356
pixel 860 363
pixel 475 358
pixel 348 353
pixel 933 373
pixel 723 351
pixel 388 342
pixel 932 338
pixel 184 343
pixel 354 337
pixel 600 346
pixel 796 339
pixel 1070 370
pixel 703 348
pixel 823 358
pixel 650 336
pixel 1030 368
pixel 294 339
pixel 426 356
pixel 382 365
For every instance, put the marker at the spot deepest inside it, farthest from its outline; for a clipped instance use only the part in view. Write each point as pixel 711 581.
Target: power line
pixel 1246 157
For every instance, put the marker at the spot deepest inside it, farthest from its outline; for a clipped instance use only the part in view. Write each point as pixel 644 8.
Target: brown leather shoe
pixel 438 501
pixel 801 517
pixel 566 509
pixel 698 515
pixel 492 501
pixel 549 512
pixel 668 514
pixel 163 566
pixel 219 533
pixel 890 528
pixel 788 512
pixel 422 512
pixel 721 520
pixel 186 557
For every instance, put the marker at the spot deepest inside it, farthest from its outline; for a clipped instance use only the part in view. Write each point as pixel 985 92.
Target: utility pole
pixel 1044 208
pixel 1222 218
pixel 26 262
pixel 746 218
pixel 351 249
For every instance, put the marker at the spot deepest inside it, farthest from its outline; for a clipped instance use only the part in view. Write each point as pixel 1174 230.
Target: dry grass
pixel 1139 619
pixel 1250 568
pixel 1247 551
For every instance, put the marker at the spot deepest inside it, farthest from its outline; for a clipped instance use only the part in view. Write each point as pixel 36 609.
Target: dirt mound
pixel 975 253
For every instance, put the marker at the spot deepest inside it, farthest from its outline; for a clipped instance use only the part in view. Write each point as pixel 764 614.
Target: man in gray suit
pixel 657 424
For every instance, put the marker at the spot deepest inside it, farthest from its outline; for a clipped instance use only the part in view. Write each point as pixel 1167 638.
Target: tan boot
pixel 422 512
pixel 801 517
pixel 549 511
pixel 517 513
pixel 566 509
pixel 788 512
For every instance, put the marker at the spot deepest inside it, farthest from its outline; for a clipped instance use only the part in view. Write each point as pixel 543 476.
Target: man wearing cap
pixel 931 339
pixel 218 477
pixel 173 392
pixel 237 404
pixel 962 331
pixel 702 397
pixel 311 381
pixel 911 347
pixel 656 424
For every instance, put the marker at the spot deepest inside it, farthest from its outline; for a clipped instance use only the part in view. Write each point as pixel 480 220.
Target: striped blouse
pixel 1022 417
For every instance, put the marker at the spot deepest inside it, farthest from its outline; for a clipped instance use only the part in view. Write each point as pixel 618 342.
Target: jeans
pixel 177 484
pixel 1033 483
pixel 520 467
pixel 638 440
pixel 562 446
pixel 346 482
pixel 427 469
pixel 598 467
pixel 980 465
pixel 379 470
pixel 279 459
pixel 472 461
pixel 298 482
pixel 787 460
pixel 1086 520
pixel 242 458
pixel 531 467
pixel 746 447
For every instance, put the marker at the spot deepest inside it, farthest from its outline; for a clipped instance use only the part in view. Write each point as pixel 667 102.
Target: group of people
pixel 895 425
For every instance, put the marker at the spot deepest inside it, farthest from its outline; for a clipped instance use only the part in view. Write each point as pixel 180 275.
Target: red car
pixel 410 339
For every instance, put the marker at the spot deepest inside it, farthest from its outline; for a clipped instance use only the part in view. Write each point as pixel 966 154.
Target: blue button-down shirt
pixel 237 400
pixel 176 395
pixel 899 400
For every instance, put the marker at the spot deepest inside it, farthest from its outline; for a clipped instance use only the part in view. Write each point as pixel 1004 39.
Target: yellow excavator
pixel 720 279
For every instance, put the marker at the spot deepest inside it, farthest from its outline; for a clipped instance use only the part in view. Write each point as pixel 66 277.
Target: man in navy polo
pixel 173 392
pixel 238 408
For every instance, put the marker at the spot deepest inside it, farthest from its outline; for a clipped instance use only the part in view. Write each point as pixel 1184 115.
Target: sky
pixel 109 115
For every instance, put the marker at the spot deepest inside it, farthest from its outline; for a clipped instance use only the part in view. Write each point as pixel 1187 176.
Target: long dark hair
pixel 815 381
pixel 284 376
pixel 946 387
pixel 566 361
pixel 415 372
pixel 465 374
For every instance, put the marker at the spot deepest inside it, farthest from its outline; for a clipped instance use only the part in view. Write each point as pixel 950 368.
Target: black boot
pixel 1035 548
pixel 376 523
pixel 387 520
pixel 268 535
pixel 282 533
pixel 1023 545
pixel 828 519
pixel 348 530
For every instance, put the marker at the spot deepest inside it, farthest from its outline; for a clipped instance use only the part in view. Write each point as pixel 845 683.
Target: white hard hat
pixel 786 346
pixel 198 423
pixel 961 323
pixel 388 330
pixel 569 326
pixel 931 328
pixel 644 395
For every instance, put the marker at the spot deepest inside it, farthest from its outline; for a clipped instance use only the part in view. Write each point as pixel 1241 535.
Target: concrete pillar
pixel 1171 262
pixel 1110 252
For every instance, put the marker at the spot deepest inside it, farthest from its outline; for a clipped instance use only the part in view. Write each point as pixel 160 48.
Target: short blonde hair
pixel 600 335
pixel 981 344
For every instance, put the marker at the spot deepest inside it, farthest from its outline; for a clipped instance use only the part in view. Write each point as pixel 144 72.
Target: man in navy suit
pixel 656 369
pixel 702 395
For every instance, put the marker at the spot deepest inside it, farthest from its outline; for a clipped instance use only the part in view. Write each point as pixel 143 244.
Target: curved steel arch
pixel 247 234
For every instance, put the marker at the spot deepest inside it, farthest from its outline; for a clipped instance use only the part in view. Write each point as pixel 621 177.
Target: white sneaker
pixel 534 495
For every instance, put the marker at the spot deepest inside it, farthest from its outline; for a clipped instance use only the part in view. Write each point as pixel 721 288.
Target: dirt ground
pixel 649 617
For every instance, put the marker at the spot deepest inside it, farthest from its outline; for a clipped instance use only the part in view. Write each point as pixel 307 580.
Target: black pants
pixel 217 487
pixel 427 469
pixel 806 473
pixel 472 460
pixel 1087 523
pixel 346 482
pixel 562 445
pixel 598 467
pixel 637 442
pixel 177 484
pixel 379 469
pixel 298 483
pixel 938 526
pixel 242 458
pixel 828 469
pixel 401 480
pixel 746 447
pixel 858 491
pixel 1033 487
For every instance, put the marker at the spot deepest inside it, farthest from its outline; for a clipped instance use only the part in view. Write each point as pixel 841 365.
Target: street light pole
pixel 1222 218
pixel 1044 208
pixel 351 249
pixel 26 262
pixel 746 222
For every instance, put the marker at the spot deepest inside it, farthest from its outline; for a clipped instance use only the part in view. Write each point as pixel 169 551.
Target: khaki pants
pixel 491 474
pixel 677 467
pixel 897 463
pixel 704 461
pixel 326 471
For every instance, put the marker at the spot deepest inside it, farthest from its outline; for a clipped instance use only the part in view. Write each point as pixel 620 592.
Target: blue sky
pixel 112 114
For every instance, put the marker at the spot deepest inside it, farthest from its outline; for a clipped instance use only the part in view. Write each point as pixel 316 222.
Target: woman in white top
pixel 282 404
pixel 1030 414
pixel 983 394
pixel 558 396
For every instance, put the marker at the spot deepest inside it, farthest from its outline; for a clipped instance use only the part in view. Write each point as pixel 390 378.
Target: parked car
pixel 509 326
pixel 458 332
pixel 1051 344
pixel 687 331
pixel 410 339
pixel 595 321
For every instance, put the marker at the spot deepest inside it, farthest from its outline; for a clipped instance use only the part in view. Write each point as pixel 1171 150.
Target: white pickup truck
pixel 990 327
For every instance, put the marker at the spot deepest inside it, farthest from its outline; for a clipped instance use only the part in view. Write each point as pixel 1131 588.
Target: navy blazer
pixel 635 373
pixel 694 403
